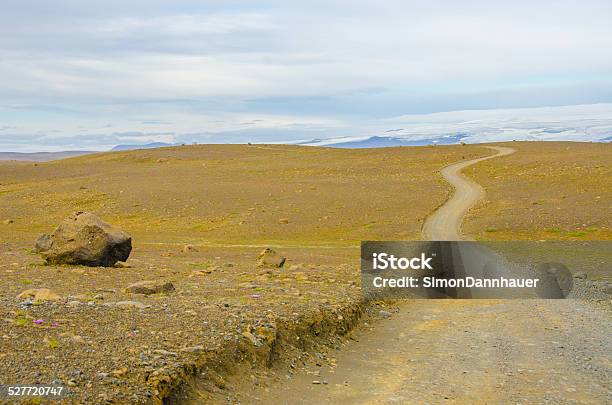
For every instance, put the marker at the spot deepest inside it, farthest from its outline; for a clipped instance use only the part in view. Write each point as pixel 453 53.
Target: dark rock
pixel 85 239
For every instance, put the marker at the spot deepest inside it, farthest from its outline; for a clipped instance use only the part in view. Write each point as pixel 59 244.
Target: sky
pixel 90 75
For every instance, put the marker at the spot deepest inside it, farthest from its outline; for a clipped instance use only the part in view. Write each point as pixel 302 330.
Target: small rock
pixel 128 304
pixel 40 294
pixel 270 258
pixel 580 275
pixel 194 349
pixel 77 339
pixel 150 287
pixel 189 248
pixel 7 221
pixel 26 304
pixel 316 382
pixel 384 314
pixel 283 221
pixel 256 342
pixel 165 352
pixel 43 243
pixel 120 372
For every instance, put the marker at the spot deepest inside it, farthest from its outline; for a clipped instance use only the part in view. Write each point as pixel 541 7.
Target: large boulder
pixel 85 239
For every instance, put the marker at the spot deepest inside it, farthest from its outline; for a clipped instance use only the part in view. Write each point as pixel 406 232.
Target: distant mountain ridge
pixel 42 156
pixel 151 145
pixel 389 141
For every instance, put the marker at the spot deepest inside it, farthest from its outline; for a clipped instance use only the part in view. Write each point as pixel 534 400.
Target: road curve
pixel 445 222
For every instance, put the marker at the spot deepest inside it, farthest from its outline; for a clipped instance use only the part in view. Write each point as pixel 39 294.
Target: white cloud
pixel 324 65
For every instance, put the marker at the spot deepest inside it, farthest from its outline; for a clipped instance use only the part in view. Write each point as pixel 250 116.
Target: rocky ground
pixel 545 191
pixel 223 315
pixel 109 345
pixel 458 352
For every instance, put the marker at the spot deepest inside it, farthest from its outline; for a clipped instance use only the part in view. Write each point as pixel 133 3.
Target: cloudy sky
pixel 89 75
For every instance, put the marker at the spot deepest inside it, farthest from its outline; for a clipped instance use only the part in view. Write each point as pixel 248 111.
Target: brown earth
pixel 312 205
pixel 545 191
pixel 234 194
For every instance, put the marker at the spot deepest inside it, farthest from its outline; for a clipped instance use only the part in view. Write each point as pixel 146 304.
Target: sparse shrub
pixel 53 343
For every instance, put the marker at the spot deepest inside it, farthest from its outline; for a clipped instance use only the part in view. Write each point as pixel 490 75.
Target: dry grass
pixel 234 194
pixel 546 190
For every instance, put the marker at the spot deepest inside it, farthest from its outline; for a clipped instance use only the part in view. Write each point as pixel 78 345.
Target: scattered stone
pixel 39 294
pixel 85 239
pixel 150 287
pixel 189 248
pixel 385 314
pixel 165 353
pixel 77 339
pixel 580 275
pixel 194 349
pixel 120 372
pixel 128 304
pixel 43 243
pixel 270 258
pixel 252 338
pixel 26 304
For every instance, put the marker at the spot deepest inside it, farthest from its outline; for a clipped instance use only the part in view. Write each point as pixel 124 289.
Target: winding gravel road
pixel 461 351
pixel 445 223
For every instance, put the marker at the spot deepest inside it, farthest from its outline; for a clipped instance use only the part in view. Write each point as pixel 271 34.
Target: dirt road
pixel 461 351
pixel 445 223
pixel 464 352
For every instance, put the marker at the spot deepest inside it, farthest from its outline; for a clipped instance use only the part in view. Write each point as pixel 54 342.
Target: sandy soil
pixel 545 191
pixel 234 194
